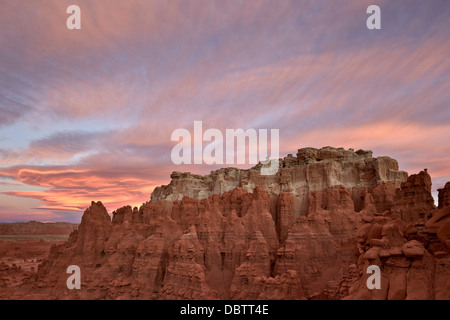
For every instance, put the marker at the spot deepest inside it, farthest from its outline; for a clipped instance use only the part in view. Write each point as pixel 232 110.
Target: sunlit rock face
pixel 308 232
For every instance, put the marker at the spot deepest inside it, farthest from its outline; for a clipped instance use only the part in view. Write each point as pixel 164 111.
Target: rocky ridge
pixel 413 254
pixel 308 232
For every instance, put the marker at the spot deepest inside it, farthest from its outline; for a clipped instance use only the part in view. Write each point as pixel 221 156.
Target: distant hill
pixel 33 230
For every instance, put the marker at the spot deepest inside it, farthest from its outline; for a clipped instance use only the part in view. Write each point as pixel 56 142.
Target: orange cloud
pixel 75 194
pixel 95 109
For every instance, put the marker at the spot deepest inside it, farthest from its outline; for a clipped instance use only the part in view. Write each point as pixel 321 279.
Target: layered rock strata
pixel 308 232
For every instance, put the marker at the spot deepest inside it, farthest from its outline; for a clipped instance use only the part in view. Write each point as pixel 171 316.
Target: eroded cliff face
pixel 444 196
pixel 220 247
pixel 308 232
pixel 410 244
pixel 310 171
pixel 413 201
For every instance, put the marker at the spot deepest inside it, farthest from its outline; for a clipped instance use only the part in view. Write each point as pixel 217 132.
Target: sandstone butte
pixel 308 232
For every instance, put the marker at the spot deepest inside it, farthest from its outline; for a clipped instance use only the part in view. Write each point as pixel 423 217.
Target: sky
pixel 87 115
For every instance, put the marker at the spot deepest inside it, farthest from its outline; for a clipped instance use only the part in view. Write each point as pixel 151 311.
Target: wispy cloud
pixel 87 115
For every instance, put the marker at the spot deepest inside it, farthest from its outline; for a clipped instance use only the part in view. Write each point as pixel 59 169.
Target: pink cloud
pixel 415 146
pixel 67 190
pixel 140 69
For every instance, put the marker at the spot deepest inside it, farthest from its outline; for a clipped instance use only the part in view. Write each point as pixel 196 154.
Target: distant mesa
pixel 34 228
pixel 311 170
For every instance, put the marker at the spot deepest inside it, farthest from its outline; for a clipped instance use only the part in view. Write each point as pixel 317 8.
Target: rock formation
pixel 410 249
pixel 308 232
pixel 413 201
pixel 444 196
pixel 312 170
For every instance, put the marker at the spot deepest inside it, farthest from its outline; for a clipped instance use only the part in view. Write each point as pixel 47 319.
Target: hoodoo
pixel 309 232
